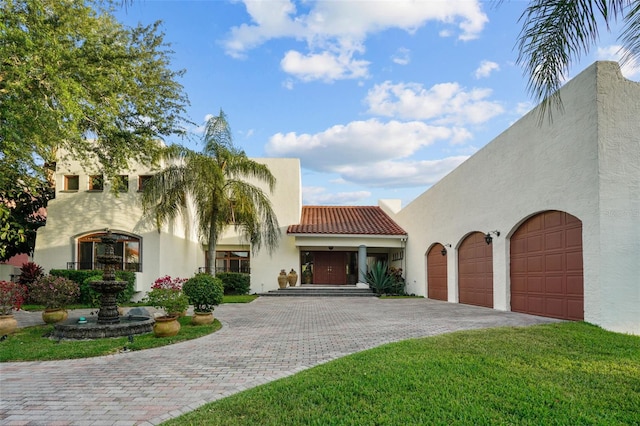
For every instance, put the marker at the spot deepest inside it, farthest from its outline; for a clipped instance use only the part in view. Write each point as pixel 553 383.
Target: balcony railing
pixel 203 269
pixel 97 266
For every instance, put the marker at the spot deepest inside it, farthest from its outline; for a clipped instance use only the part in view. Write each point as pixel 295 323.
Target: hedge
pixel 235 282
pixel 88 295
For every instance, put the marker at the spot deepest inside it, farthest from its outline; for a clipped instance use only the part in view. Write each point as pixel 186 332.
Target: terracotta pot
pixel 52 316
pixel 8 324
pixel 202 318
pixel 282 279
pixel 166 326
pixel 292 278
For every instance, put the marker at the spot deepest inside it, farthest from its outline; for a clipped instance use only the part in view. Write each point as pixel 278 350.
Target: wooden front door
pixel 330 267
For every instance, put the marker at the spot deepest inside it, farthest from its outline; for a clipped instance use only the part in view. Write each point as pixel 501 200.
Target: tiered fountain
pixel 109 323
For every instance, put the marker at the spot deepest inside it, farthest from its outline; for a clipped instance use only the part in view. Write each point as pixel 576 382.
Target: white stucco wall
pixel 584 163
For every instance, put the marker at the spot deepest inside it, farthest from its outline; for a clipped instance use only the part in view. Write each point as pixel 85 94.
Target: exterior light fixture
pixel 488 238
pixel 444 249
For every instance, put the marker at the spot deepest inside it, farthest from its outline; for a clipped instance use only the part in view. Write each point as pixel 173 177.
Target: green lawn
pixel 31 343
pixel 557 374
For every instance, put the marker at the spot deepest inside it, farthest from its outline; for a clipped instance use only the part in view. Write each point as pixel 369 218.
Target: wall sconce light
pixel 488 238
pixel 444 249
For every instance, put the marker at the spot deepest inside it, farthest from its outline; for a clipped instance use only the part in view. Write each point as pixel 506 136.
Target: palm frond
pixel 554 34
pixel 630 37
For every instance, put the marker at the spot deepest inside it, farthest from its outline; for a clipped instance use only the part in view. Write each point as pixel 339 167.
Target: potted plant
pixel 11 297
pixel 204 292
pixel 55 293
pixel 166 294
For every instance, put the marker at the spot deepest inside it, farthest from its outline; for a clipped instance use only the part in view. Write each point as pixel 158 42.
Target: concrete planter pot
pixel 166 326
pixel 8 324
pixel 53 316
pixel 202 318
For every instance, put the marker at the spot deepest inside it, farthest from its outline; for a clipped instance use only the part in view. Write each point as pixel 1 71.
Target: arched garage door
pixel 437 273
pixel 475 271
pixel 546 266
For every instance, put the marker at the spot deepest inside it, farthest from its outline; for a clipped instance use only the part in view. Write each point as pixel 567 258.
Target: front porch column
pixel 362 264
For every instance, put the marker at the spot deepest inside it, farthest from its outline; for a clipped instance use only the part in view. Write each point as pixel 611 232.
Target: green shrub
pixel 87 294
pixel 235 283
pixel 204 292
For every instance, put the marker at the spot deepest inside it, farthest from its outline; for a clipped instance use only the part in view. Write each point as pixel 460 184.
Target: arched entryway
pixel 546 266
pixel 437 272
pixel 475 271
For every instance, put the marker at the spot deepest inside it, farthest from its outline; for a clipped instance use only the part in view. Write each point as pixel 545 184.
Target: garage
pixel 475 271
pixel 546 266
pixel 437 272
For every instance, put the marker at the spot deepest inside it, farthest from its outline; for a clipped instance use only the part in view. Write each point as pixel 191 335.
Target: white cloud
pixel 316 195
pixel 445 103
pixel 363 142
pixel 402 56
pixel 485 69
pixel 630 68
pixel 370 153
pixel 325 66
pixel 341 28
pixel 401 174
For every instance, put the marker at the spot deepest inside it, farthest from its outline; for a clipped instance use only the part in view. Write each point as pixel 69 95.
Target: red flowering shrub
pixel 166 293
pixel 167 282
pixel 54 292
pixel 11 296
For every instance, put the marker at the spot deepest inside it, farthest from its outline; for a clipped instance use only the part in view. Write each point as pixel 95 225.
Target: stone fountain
pixel 109 287
pixel 109 323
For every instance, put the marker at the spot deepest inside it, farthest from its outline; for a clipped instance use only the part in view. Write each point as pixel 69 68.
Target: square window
pixel 142 181
pixel 96 183
pixel 121 182
pixel 71 182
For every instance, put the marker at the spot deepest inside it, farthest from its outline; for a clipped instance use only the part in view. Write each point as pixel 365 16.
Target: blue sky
pixel 378 99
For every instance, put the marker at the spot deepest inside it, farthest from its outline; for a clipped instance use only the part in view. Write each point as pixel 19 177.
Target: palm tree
pixel 557 32
pixel 215 183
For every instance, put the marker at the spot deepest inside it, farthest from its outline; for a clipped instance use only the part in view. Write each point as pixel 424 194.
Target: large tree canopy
pixel 557 32
pixel 72 77
pixel 217 185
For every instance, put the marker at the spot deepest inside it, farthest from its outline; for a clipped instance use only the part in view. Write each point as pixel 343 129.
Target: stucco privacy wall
pixel 584 162
pixel 619 173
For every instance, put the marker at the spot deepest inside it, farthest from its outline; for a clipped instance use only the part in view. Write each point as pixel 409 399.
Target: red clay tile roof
pixel 360 220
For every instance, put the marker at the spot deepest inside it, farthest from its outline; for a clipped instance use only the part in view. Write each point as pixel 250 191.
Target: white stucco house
pixel 545 219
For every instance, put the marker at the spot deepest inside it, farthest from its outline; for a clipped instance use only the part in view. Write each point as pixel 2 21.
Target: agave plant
pixel 379 278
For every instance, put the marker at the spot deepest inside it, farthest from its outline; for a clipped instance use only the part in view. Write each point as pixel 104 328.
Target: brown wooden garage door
pixel 546 266
pixel 475 271
pixel 437 273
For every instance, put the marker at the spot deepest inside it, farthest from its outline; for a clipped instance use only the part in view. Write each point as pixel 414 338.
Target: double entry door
pixel 330 267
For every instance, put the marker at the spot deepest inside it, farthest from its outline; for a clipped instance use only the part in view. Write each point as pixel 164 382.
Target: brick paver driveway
pixel 270 338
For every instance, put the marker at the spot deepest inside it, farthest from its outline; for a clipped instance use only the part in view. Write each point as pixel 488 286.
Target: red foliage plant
pixel 11 296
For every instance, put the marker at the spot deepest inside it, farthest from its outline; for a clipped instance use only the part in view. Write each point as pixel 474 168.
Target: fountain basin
pixel 128 326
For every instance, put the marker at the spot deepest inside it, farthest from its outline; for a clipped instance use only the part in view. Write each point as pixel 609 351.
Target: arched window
pixel 127 246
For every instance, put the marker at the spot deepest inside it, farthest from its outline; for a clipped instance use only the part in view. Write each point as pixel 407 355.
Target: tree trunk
pixel 211 250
